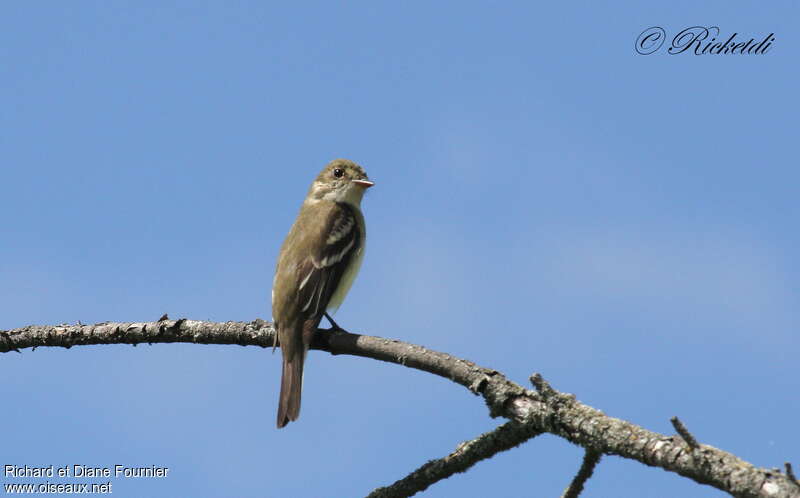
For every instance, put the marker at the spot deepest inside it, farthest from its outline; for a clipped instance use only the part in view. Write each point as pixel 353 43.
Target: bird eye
pixel 338 172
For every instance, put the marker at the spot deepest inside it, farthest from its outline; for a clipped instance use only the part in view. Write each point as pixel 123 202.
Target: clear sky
pixel 547 200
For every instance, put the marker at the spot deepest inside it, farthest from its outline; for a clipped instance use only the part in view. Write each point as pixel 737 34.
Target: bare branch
pixel 684 433
pixel 256 333
pixel 467 454
pixel 546 410
pixel 590 460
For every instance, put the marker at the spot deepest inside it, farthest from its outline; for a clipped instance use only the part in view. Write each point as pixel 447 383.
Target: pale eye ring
pixel 338 172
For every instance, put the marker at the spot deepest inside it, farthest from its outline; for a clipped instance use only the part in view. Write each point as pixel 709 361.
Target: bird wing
pixel 320 273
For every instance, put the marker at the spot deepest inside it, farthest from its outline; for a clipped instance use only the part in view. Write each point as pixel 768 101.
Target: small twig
pixel 790 473
pixel 556 399
pixel 542 385
pixel 684 433
pixel 466 455
pixel 590 460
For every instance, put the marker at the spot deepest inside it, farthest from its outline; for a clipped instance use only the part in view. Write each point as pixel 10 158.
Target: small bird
pixel 317 264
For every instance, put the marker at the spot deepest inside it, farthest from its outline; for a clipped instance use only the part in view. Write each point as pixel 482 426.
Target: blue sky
pixel 546 200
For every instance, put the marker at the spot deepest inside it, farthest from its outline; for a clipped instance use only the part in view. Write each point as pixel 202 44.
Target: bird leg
pixel 334 326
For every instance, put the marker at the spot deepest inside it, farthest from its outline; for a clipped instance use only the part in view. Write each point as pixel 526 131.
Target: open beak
pixel 364 183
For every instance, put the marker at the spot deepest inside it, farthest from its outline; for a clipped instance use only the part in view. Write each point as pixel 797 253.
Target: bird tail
pixel 291 388
pixel 295 341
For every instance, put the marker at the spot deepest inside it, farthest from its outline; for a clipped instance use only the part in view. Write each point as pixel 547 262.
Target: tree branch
pixel 545 410
pixel 590 461
pixel 684 433
pixel 467 454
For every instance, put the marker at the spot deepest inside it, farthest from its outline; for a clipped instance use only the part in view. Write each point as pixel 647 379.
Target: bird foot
pixel 334 326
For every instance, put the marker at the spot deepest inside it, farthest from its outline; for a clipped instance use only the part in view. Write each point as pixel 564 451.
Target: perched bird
pixel 317 264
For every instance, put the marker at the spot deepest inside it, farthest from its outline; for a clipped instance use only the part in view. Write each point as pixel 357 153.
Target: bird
pixel 317 263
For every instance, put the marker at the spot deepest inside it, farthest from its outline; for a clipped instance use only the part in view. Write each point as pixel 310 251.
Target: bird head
pixel 340 181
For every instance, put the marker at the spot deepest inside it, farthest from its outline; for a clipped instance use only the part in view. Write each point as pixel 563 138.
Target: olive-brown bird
pixel 317 264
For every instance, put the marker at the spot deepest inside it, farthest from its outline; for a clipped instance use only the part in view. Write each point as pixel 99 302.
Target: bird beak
pixel 364 183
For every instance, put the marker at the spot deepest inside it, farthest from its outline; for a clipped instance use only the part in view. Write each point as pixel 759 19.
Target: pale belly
pixel 347 281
